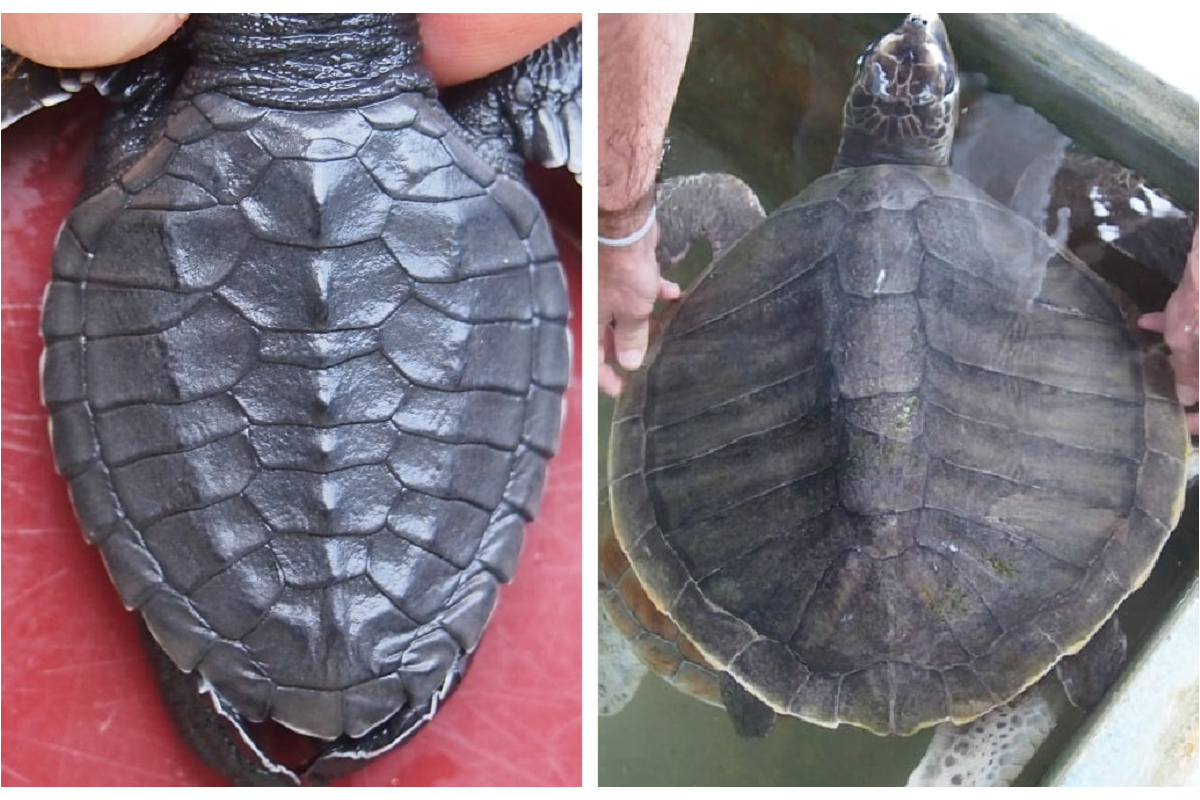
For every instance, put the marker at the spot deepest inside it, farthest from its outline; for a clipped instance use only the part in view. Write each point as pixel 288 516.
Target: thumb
pixel 630 337
pixel 87 40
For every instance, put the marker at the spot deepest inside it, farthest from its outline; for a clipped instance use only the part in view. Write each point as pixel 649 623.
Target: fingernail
pixel 1187 394
pixel 630 359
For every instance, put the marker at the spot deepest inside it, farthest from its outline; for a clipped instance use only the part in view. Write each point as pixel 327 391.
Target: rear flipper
pixel 620 670
pixel 993 749
pixel 267 754
pixel 533 109
pixel 750 716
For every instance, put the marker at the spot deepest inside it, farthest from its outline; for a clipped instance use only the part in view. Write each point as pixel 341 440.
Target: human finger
pixel 86 40
pixel 1153 321
pixel 607 379
pixel 462 47
pixel 1181 329
pixel 631 335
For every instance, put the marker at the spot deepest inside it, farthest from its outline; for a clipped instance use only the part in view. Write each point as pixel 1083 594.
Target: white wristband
pixel 634 237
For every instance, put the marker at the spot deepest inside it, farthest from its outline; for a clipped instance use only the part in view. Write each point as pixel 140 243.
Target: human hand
pixel 457 47
pixel 1179 323
pixel 629 285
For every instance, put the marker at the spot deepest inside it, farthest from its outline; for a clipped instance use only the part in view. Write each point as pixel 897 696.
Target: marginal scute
pixel 250 690
pixel 225 113
pixel 396 112
pixel 88 224
pixel 62 310
pixel 550 302
pixel 310 711
pixel 134 571
pixel 524 491
pixel 470 608
pixel 149 168
pixel 501 543
pixel 74 439
pixel 187 125
pixel 543 424
pixel 361 702
pixel 178 629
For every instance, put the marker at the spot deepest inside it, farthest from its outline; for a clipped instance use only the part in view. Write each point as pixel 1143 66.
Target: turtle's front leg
pixel 713 206
pixel 533 109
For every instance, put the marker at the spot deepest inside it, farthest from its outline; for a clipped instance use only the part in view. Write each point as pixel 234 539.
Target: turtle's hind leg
pixel 217 738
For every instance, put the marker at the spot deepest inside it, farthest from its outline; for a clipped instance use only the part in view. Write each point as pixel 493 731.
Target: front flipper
pixel 140 91
pixel 532 109
pixel 714 207
pixel 30 87
pixel 1018 157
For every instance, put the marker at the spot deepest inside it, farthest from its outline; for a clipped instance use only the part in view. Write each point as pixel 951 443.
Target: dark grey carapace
pixel 305 350
pixel 931 454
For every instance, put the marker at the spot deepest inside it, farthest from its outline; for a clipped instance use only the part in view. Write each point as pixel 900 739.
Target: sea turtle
pixel 306 345
pixel 896 453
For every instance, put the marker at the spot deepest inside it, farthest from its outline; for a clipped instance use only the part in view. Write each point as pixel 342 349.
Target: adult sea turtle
pixel 896 453
pixel 367 284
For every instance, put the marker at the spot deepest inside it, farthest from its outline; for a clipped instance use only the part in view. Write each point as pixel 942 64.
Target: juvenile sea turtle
pixel 306 345
pixel 896 453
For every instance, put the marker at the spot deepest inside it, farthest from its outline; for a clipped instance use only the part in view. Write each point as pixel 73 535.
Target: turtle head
pixel 903 106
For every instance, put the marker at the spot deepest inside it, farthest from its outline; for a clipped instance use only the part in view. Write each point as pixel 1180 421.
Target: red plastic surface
pixel 79 704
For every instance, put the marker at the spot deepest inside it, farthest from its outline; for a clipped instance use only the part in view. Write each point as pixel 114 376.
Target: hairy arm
pixel 641 60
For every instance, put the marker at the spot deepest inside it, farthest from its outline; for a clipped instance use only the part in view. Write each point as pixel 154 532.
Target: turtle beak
pixel 923 68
